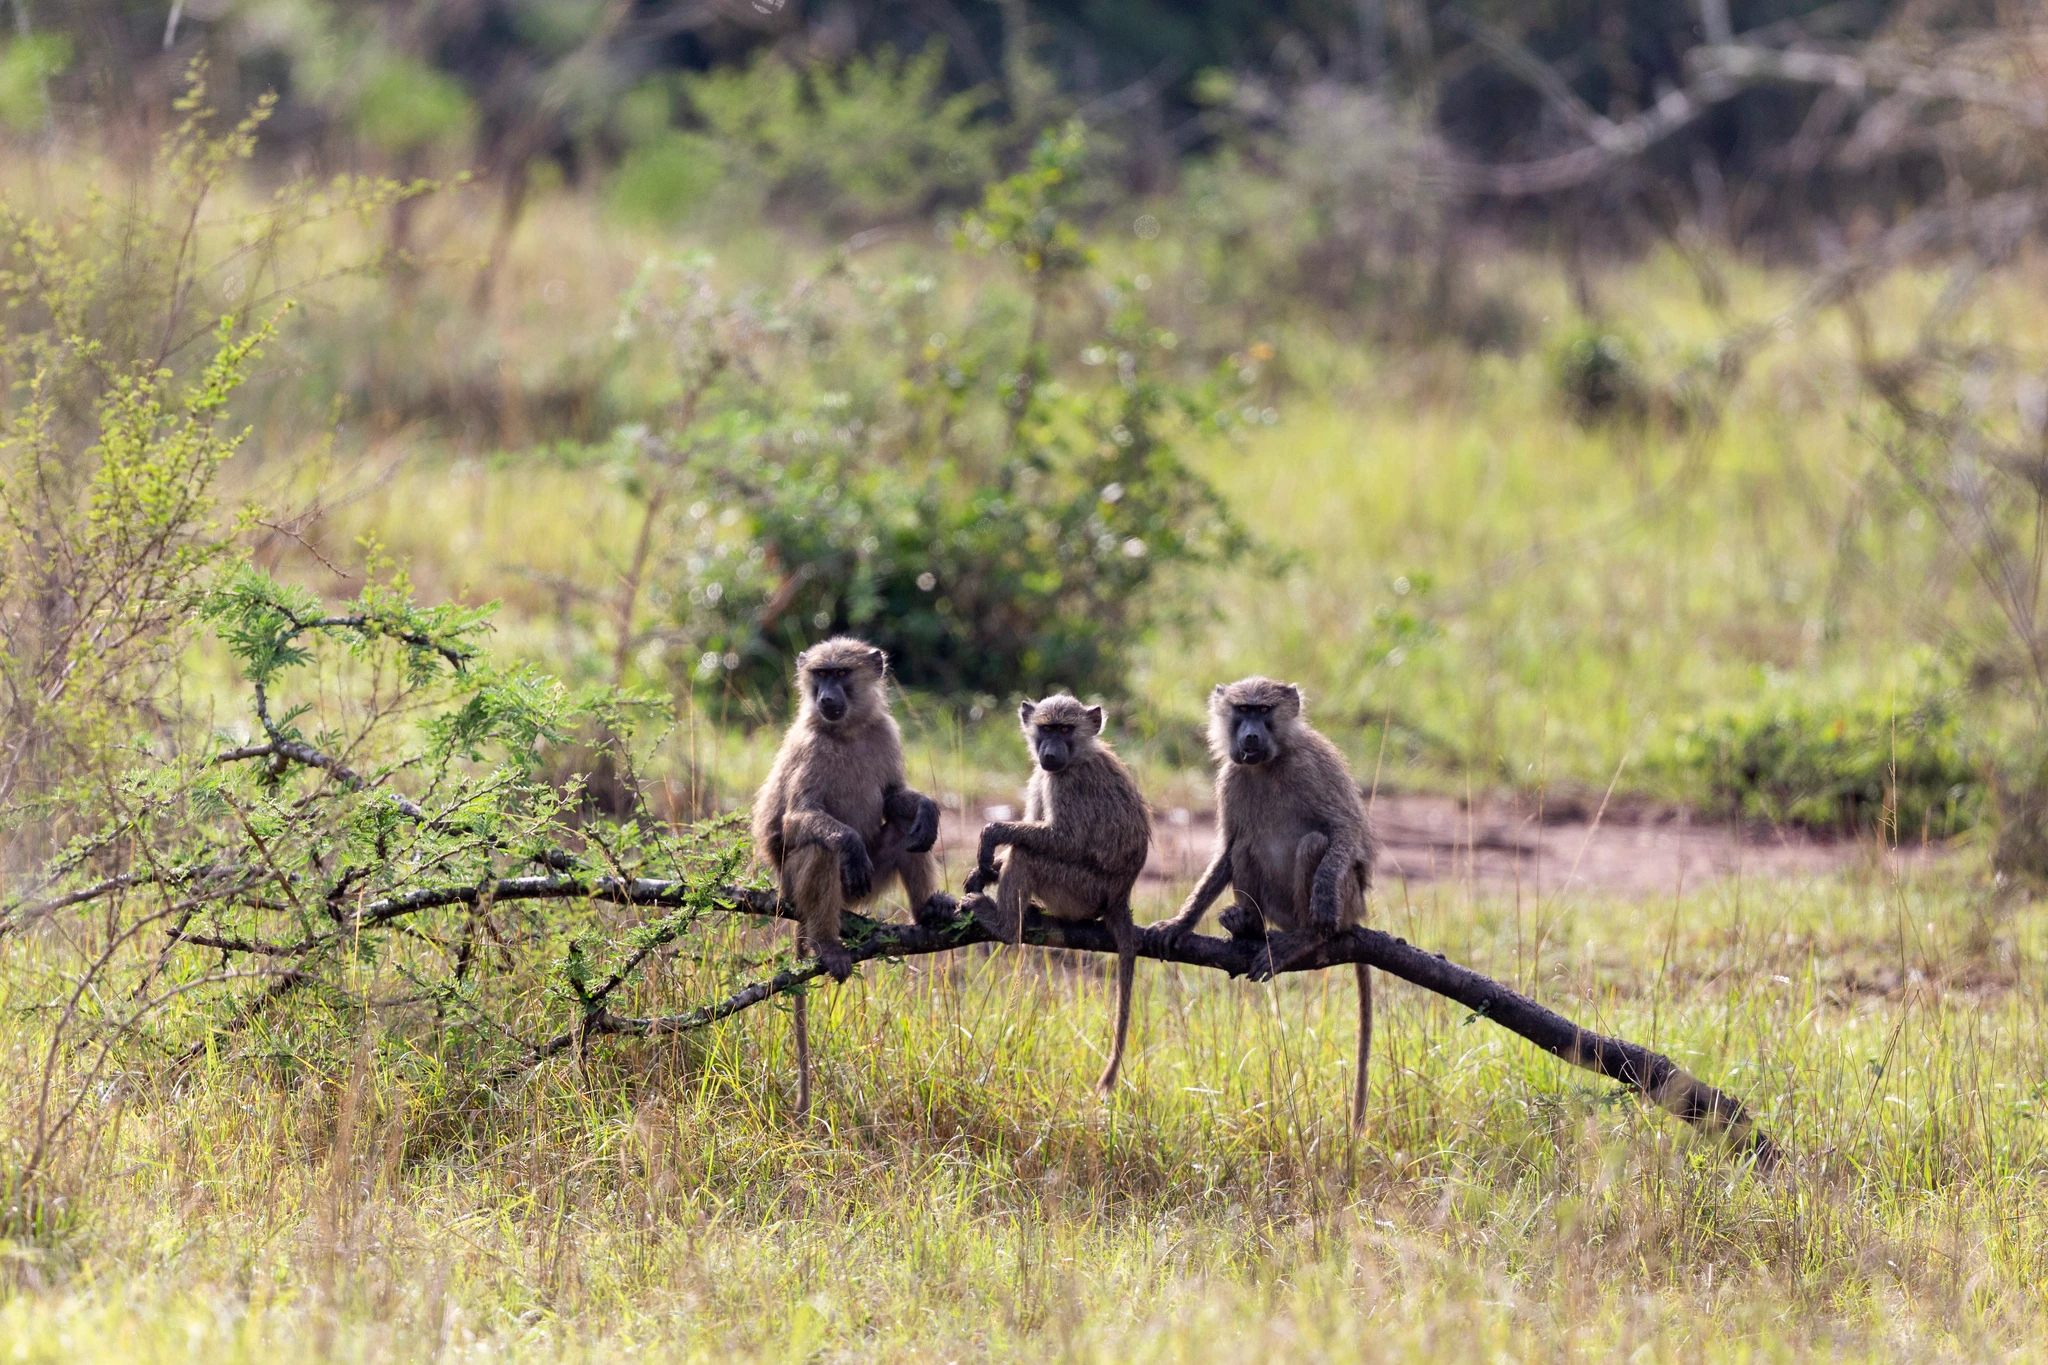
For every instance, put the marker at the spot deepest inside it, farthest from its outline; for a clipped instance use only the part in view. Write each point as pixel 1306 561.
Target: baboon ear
pixel 879 660
pixel 1293 695
pixel 1216 692
pixel 1094 714
pixel 1024 711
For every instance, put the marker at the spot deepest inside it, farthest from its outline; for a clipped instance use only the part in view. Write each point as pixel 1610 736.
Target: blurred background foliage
pixel 1434 355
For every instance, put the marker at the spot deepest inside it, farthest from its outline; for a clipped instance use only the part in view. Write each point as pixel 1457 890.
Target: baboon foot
pixel 985 913
pixel 936 911
pixel 837 962
pixel 1241 921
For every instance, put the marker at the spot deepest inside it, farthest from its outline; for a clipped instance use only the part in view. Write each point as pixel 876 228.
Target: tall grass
pixel 964 1196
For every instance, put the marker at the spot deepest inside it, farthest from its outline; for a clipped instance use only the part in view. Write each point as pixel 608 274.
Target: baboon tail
pixel 1364 1045
pixel 800 1017
pixel 800 1025
pixel 1126 971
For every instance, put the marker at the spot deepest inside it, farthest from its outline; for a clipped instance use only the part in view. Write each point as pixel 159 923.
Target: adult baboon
pixel 836 818
pixel 1293 838
pixel 1079 848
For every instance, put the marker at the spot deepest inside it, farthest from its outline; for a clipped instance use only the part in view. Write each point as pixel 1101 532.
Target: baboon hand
pixel 924 825
pixel 856 871
pixel 937 910
pixel 983 876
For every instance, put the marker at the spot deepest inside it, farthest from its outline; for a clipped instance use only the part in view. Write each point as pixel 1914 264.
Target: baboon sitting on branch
pixel 836 818
pixel 1078 850
pixel 1293 838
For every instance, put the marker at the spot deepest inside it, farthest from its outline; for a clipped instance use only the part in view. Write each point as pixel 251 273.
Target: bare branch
pixel 1868 73
pixel 1613 143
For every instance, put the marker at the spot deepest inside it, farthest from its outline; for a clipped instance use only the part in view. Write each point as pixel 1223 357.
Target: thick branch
pixel 1651 1074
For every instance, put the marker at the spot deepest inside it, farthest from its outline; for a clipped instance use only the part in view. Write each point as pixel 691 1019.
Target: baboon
pixel 1293 838
pixel 1079 848
pixel 836 818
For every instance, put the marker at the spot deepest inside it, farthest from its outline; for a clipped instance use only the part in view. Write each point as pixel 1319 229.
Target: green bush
pixel 1036 580
pixel 1868 764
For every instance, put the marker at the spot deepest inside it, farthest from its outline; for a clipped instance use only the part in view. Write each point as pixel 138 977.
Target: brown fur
pixel 1295 843
pixel 836 819
pixel 1078 850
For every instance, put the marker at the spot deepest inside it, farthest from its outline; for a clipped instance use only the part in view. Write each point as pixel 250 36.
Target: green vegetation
pixel 1898 766
pixel 366 545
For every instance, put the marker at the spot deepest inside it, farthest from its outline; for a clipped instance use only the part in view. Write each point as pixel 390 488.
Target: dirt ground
pixel 1628 851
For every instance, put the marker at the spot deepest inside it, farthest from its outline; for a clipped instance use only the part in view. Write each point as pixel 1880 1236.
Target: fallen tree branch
pixel 1650 1074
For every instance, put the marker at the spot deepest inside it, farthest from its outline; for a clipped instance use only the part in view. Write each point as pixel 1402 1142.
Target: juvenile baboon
pixel 1293 838
pixel 836 818
pixel 1079 848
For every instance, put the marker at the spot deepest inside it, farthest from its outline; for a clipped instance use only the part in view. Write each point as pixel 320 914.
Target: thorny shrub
pixel 377 839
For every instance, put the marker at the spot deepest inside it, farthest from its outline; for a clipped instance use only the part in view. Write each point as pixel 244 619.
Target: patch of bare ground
pixel 1628 849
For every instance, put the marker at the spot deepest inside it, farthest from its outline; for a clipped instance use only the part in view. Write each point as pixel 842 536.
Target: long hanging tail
pixel 1126 971
pixel 1364 1045
pixel 800 1021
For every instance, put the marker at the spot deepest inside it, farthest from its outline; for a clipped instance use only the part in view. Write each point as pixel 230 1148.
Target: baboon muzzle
pixel 1252 746
pixel 831 701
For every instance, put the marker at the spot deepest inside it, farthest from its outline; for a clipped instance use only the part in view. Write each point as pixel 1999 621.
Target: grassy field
pixel 964 1196
pixel 1480 592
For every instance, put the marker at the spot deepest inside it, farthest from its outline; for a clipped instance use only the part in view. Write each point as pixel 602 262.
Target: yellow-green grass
pixel 964 1195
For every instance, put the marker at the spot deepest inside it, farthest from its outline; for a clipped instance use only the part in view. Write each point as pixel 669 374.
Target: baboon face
pixel 841 680
pixel 1058 729
pixel 1249 720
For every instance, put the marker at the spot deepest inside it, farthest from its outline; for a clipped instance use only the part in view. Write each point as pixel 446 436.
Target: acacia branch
pixel 297 752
